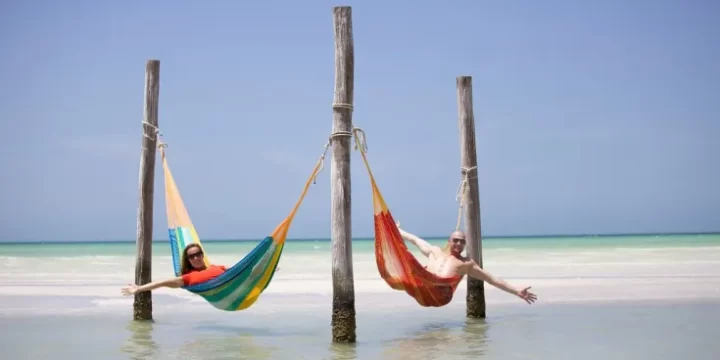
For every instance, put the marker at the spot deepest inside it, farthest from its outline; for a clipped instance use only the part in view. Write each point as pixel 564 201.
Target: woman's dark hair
pixel 186 267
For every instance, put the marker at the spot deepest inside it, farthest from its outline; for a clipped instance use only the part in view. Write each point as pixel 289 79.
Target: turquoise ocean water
pixel 365 245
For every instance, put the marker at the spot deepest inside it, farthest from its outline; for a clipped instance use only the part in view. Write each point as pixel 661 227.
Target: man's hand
pixel 423 245
pixel 526 295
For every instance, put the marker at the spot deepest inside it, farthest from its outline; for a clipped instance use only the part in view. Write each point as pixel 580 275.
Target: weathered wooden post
pixel 142 306
pixel 475 300
pixel 343 314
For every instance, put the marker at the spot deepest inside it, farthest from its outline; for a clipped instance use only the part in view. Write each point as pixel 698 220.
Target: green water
pixel 160 247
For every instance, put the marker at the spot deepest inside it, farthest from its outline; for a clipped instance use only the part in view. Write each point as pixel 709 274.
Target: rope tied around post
pixel 156 130
pixel 460 195
pixel 342 106
pixel 356 132
pixel 360 143
pixel 158 135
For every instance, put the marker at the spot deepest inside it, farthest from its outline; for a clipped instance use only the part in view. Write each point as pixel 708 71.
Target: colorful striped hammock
pixel 240 285
pixel 396 264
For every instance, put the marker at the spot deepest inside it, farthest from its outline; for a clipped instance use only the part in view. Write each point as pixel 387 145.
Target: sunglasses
pixel 461 241
pixel 197 255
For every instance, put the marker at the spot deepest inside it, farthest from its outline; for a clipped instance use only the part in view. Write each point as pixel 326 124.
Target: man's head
pixel 456 242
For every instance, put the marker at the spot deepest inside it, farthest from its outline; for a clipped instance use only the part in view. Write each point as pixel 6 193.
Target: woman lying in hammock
pixel 448 262
pixel 193 271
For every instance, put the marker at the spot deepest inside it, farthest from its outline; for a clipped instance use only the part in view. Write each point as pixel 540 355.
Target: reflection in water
pixel 140 345
pixel 442 340
pixel 195 343
pixel 473 340
pixel 236 347
pixel 343 351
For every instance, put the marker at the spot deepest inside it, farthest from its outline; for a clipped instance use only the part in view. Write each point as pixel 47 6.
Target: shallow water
pixel 569 331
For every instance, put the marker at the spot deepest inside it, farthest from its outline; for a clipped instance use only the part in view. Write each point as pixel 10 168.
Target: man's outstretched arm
pixel 475 271
pixel 423 245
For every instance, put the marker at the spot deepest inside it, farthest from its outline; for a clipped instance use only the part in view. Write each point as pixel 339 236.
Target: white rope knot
pixel 465 171
pixel 464 182
pixel 460 194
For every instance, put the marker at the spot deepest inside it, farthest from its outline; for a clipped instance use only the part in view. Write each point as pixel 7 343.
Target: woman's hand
pixel 129 290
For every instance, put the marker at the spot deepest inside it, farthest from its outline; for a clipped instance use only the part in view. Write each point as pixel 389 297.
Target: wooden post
pixel 475 300
pixel 142 306
pixel 343 313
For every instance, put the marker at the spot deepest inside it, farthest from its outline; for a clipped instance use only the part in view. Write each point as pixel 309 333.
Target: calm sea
pixel 161 247
pixel 599 297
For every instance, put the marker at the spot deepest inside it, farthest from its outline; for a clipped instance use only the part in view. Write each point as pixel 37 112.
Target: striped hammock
pixel 396 264
pixel 240 285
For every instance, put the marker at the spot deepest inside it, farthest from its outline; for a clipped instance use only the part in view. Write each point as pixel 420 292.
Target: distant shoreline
pixel 364 238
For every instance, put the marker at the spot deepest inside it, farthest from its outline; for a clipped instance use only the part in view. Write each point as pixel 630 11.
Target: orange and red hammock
pixel 397 265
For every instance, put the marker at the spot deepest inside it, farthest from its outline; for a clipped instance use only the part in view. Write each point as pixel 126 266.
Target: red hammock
pixel 401 270
pixel 398 266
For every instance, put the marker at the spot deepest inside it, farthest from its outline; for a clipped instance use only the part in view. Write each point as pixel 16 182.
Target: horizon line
pixel 580 235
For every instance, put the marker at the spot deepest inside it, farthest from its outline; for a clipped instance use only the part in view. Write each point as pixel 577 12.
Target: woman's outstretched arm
pixel 169 283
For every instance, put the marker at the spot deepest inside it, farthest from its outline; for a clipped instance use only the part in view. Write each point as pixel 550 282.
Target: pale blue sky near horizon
pixel 591 117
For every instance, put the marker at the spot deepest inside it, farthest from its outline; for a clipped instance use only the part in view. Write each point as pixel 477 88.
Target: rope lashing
pixel 157 130
pixel 360 143
pixel 460 195
pixel 358 133
pixel 157 133
pixel 342 106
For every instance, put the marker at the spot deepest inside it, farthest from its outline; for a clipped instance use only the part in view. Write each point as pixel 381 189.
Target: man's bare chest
pixel 443 266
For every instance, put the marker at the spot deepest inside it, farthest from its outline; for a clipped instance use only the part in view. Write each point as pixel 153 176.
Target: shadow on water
pixel 140 345
pixel 466 339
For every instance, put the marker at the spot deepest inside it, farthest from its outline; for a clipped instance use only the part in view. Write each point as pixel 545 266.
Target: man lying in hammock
pixel 193 271
pixel 448 263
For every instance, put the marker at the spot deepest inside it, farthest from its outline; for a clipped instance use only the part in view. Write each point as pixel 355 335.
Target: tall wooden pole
pixel 142 306
pixel 475 300
pixel 343 313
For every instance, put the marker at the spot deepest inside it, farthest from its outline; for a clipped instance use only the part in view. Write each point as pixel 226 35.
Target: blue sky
pixel 592 117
